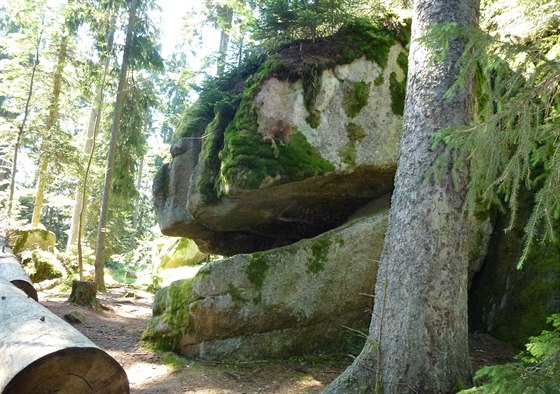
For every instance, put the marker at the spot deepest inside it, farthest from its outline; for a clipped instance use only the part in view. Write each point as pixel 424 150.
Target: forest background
pixel 88 106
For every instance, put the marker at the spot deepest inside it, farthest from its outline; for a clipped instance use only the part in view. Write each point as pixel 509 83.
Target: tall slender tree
pixel 225 15
pixel 418 338
pixel 101 229
pixel 50 125
pixel 21 127
pixel 81 194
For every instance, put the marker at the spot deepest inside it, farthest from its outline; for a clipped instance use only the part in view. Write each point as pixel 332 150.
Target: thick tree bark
pixel 51 122
pixel 418 340
pixel 41 353
pixel 84 294
pixel 103 214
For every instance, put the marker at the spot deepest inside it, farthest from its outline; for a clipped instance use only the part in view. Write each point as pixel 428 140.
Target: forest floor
pixel 118 330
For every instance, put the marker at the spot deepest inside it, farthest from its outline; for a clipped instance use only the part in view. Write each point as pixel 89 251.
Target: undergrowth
pixel 537 370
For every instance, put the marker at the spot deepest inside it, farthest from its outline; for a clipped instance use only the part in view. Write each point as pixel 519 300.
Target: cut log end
pixel 12 271
pixel 71 370
pixel 41 353
pixel 84 294
pixel 27 288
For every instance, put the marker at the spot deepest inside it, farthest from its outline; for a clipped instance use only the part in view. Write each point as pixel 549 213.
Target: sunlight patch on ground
pixel 309 382
pixel 141 372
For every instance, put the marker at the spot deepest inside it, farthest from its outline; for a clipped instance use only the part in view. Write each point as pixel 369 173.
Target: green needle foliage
pixel 514 144
pixel 537 370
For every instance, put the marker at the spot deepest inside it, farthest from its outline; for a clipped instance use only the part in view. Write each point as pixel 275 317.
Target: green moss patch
pixel 236 295
pixel 398 91
pixel 348 151
pixel 212 143
pixel 41 265
pixel 348 154
pixel 402 61
pixel 215 91
pixel 171 309
pixel 356 98
pixel 373 40
pixel 256 270
pixel 320 250
pixel 247 160
pixel 355 132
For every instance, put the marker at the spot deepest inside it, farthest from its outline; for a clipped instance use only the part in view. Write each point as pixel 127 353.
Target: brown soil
pixel 118 332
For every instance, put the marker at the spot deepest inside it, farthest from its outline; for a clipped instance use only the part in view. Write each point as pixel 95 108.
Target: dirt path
pixel 118 332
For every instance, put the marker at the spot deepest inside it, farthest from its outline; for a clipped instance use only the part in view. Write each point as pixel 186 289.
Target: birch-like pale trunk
pixel 227 15
pixel 418 338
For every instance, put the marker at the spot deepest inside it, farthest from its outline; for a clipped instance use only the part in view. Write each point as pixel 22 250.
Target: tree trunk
pixel 226 15
pixel 138 205
pixel 21 128
pixel 101 229
pixel 418 340
pixel 80 201
pixel 41 353
pixel 80 197
pixel 84 294
pixel 51 122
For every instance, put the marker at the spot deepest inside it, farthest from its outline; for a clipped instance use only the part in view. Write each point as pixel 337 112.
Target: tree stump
pixel 12 271
pixel 84 294
pixel 41 353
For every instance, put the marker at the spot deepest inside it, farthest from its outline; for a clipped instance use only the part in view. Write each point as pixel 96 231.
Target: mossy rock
pixel 180 252
pixel 41 265
pixel 275 166
pixel 31 238
pixel 171 315
pixel 509 303
pixel 285 301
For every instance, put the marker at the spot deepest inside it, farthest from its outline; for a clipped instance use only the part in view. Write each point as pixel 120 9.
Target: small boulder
pixel 180 252
pixel 41 265
pixel 74 317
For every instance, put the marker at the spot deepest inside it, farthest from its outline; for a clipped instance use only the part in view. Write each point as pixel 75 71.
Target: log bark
pixel 41 353
pixel 12 271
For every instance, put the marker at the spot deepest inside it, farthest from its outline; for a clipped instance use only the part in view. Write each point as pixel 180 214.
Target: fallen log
pixel 12 271
pixel 41 353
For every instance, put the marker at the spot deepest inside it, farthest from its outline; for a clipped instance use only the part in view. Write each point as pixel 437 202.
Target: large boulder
pixel 312 136
pixel 179 252
pixel 291 300
pixel 29 238
pixel 41 265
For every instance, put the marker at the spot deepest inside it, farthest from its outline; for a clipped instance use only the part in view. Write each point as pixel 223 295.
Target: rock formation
pixel 294 154
pixel 273 162
pixel 291 300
